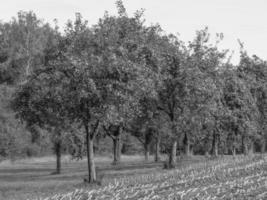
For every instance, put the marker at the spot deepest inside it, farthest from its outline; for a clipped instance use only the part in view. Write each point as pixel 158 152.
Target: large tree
pixel 253 72
pixel 38 100
pixel 209 60
pixel 101 68
pixel 187 84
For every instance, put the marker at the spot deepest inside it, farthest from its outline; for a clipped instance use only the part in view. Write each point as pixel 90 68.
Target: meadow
pixel 194 178
pixel 31 178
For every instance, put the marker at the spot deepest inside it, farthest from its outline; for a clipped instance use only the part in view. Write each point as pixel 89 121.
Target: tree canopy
pixel 120 78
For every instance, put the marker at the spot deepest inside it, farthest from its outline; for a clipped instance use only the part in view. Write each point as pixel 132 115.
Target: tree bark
pixel 263 146
pixel 233 151
pixel 146 147
pixel 187 145
pixel 187 150
pixel 116 149
pixel 234 144
pixel 58 155
pixel 252 148
pixel 157 149
pixel 90 157
pixel 215 144
pixel 114 132
pixel 147 142
pixel 172 156
pixel 245 145
pixel 207 147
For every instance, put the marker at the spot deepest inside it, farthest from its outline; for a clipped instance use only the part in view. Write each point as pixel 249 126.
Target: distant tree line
pixel 121 78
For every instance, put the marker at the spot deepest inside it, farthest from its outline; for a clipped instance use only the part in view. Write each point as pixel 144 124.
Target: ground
pixel 195 178
pixel 30 178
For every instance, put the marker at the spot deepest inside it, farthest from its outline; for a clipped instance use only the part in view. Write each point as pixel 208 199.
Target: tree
pixel 135 43
pixel 100 70
pixel 209 61
pixel 38 99
pixel 169 97
pixel 186 84
pixel 38 102
pixel 253 72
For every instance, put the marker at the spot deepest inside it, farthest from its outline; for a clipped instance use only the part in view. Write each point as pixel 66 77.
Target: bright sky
pixel 237 19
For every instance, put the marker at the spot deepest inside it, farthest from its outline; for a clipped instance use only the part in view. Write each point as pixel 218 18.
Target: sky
pixel 245 20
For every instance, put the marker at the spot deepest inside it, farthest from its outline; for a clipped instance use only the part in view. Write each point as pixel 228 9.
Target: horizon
pixel 238 20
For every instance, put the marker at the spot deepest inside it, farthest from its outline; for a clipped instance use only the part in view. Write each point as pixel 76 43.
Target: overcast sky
pixel 237 19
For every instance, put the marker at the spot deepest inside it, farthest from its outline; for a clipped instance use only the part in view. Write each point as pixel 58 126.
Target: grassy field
pixel 195 178
pixel 31 178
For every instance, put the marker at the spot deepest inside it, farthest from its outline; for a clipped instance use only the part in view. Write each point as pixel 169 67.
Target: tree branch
pixel 107 130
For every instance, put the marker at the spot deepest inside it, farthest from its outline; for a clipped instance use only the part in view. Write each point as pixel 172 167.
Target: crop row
pixel 239 178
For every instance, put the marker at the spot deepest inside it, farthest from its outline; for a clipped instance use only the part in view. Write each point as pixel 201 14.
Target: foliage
pixel 125 74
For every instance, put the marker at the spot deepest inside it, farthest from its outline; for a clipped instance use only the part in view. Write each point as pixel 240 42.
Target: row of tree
pixel 121 76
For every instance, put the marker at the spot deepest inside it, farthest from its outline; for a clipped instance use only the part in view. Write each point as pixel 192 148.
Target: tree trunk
pixel 233 151
pixel 252 148
pixel 116 150
pixel 172 156
pixel 263 146
pixel 234 144
pixel 187 150
pixel 90 157
pixel 157 153
pixel 245 145
pixel 187 145
pixel 146 147
pixel 215 144
pixel 119 149
pixel 58 155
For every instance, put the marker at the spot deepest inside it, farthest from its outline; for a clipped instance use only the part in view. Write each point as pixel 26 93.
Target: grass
pixel 224 178
pixel 31 178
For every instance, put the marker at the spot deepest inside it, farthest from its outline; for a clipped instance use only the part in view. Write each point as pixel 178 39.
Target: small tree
pixel 37 103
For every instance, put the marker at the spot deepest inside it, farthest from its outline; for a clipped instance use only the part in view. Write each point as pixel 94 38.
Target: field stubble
pixel 225 178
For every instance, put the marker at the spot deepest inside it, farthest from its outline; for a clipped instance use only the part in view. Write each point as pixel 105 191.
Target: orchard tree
pixel 170 96
pixel 253 71
pixel 101 69
pixel 209 61
pixel 39 104
pixel 39 101
pixel 132 41
pixel 186 87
